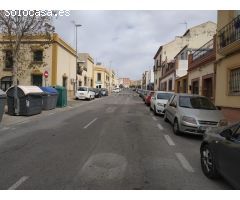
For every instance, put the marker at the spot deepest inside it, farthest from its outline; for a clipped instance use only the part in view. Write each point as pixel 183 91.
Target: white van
pixel 85 93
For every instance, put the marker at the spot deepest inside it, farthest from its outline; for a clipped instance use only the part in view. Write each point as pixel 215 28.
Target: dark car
pixel 98 93
pixel 104 92
pixel 220 154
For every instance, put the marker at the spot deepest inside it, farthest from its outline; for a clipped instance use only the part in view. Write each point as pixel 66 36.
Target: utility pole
pixel 76 26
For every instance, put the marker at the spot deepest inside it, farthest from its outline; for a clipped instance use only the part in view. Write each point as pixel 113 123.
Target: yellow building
pixel 56 58
pixel 227 93
pixel 101 77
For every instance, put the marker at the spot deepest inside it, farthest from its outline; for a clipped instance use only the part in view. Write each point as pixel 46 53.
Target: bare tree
pixel 19 26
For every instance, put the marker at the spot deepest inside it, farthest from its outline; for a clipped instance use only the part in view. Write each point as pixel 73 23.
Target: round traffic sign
pixel 46 74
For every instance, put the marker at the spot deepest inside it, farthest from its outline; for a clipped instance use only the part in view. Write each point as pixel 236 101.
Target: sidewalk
pixel 9 120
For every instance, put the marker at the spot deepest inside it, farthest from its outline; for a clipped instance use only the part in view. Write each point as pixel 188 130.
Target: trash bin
pixel 62 96
pixel 50 97
pixel 30 100
pixel 2 103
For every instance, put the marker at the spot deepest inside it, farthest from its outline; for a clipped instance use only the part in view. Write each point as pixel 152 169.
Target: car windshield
pixel 166 96
pixel 82 89
pixel 196 103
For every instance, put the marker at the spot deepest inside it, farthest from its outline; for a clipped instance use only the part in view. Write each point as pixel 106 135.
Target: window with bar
pixel 234 82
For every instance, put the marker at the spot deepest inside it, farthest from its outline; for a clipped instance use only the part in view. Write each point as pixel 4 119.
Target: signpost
pixel 45 74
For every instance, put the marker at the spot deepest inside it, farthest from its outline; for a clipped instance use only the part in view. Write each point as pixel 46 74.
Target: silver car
pixel 192 114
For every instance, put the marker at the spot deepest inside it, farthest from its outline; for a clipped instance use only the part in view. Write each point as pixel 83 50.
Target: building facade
pixel 193 38
pixel 85 70
pixel 38 56
pixel 125 82
pixel 101 77
pixel 227 93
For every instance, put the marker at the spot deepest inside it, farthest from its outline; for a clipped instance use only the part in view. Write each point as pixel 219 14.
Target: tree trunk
pixel 15 83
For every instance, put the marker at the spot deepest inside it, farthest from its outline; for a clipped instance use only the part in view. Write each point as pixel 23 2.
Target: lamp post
pixel 76 26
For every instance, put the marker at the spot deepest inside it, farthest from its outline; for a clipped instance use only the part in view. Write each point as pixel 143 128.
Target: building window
pixel 234 82
pixel 8 59
pixel 38 56
pixel 99 78
pixel 85 81
pixel 6 82
pixel 170 85
pixel 91 83
pixel 37 80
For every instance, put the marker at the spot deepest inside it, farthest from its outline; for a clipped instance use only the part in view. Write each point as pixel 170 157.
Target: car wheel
pixel 176 127
pixel 208 163
pixel 165 117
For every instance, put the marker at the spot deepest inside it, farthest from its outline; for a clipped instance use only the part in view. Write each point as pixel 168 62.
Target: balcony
pixel 203 55
pixel 229 37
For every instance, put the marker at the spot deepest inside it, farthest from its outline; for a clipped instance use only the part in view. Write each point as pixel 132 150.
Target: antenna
pixel 186 24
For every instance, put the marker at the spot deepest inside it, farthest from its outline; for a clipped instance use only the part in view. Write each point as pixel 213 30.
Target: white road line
pixel 154 118
pixel 185 164
pixel 160 127
pixel 5 128
pixel 169 140
pixel 23 122
pixel 18 183
pixel 51 114
pixel 90 123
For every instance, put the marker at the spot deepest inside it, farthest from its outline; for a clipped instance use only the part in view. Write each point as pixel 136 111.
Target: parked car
pixel 192 114
pixel 98 93
pixel 145 92
pixel 220 152
pixel 85 93
pixel 148 97
pixel 116 90
pixel 159 101
pixel 104 91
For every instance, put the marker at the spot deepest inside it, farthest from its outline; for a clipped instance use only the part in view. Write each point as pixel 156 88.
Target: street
pixel 113 142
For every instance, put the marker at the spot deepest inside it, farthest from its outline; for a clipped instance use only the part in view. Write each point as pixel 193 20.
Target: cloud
pixel 127 39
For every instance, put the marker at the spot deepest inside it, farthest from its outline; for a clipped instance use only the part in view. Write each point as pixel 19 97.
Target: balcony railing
pixel 229 33
pixel 204 50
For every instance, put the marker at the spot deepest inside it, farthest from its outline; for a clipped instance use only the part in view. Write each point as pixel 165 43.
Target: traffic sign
pixel 46 74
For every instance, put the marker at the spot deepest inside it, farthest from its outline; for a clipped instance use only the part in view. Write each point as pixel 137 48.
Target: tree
pixel 19 26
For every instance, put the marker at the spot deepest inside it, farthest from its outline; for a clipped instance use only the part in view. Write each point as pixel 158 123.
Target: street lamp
pixel 76 26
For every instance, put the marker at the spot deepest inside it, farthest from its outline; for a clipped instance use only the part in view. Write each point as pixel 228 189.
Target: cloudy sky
pixel 127 40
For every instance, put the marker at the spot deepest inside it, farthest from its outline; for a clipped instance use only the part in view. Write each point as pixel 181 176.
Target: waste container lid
pixel 28 89
pixel 2 94
pixel 50 90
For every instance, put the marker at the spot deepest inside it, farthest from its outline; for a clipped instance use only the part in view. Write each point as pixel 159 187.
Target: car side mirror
pixel 227 134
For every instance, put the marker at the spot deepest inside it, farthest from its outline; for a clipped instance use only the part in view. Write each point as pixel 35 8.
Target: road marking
pixel 23 122
pixel 154 118
pixel 160 127
pixel 90 123
pixel 5 128
pixel 18 183
pixel 169 140
pixel 51 114
pixel 185 164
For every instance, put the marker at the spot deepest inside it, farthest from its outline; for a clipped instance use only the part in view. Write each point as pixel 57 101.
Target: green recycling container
pixel 62 96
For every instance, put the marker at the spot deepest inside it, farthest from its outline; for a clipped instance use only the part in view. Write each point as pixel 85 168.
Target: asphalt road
pixel 109 143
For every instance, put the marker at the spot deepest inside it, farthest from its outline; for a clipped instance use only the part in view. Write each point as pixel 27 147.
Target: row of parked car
pixel 90 93
pixel 194 114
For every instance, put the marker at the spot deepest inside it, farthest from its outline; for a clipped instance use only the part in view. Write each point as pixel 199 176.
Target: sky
pixel 127 41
